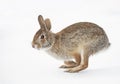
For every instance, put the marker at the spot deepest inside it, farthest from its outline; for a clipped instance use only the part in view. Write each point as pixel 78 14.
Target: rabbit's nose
pixel 33 46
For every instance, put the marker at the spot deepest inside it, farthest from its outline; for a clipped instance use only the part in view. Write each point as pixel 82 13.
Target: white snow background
pixel 21 64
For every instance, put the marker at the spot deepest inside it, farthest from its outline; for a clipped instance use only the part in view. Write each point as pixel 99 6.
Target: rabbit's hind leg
pixel 83 65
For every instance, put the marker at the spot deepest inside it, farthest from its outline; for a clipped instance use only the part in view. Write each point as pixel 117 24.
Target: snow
pixel 21 64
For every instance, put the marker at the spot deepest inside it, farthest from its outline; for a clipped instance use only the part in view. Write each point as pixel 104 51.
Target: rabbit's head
pixel 43 37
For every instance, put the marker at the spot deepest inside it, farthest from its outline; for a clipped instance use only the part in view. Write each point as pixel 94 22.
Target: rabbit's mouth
pixel 36 46
pixel 46 45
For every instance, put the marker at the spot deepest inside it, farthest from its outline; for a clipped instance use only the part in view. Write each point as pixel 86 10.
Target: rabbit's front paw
pixel 69 64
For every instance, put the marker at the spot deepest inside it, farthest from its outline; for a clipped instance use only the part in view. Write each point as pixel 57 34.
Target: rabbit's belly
pixel 60 55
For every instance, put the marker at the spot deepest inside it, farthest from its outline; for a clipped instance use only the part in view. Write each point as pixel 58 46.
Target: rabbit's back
pixel 89 35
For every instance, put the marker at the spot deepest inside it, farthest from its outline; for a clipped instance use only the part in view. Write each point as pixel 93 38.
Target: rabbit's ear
pixel 48 23
pixel 41 21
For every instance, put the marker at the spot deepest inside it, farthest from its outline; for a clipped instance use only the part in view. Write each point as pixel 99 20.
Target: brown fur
pixel 77 41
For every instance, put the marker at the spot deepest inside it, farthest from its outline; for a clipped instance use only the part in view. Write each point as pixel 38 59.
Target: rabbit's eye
pixel 42 36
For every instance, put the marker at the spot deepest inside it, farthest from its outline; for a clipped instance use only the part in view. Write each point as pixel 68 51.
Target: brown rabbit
pixel 74 44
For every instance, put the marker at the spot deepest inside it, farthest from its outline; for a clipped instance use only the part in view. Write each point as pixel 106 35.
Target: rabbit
pixel 74 44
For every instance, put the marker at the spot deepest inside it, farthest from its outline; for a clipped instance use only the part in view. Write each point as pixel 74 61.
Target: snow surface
pixel 21 64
